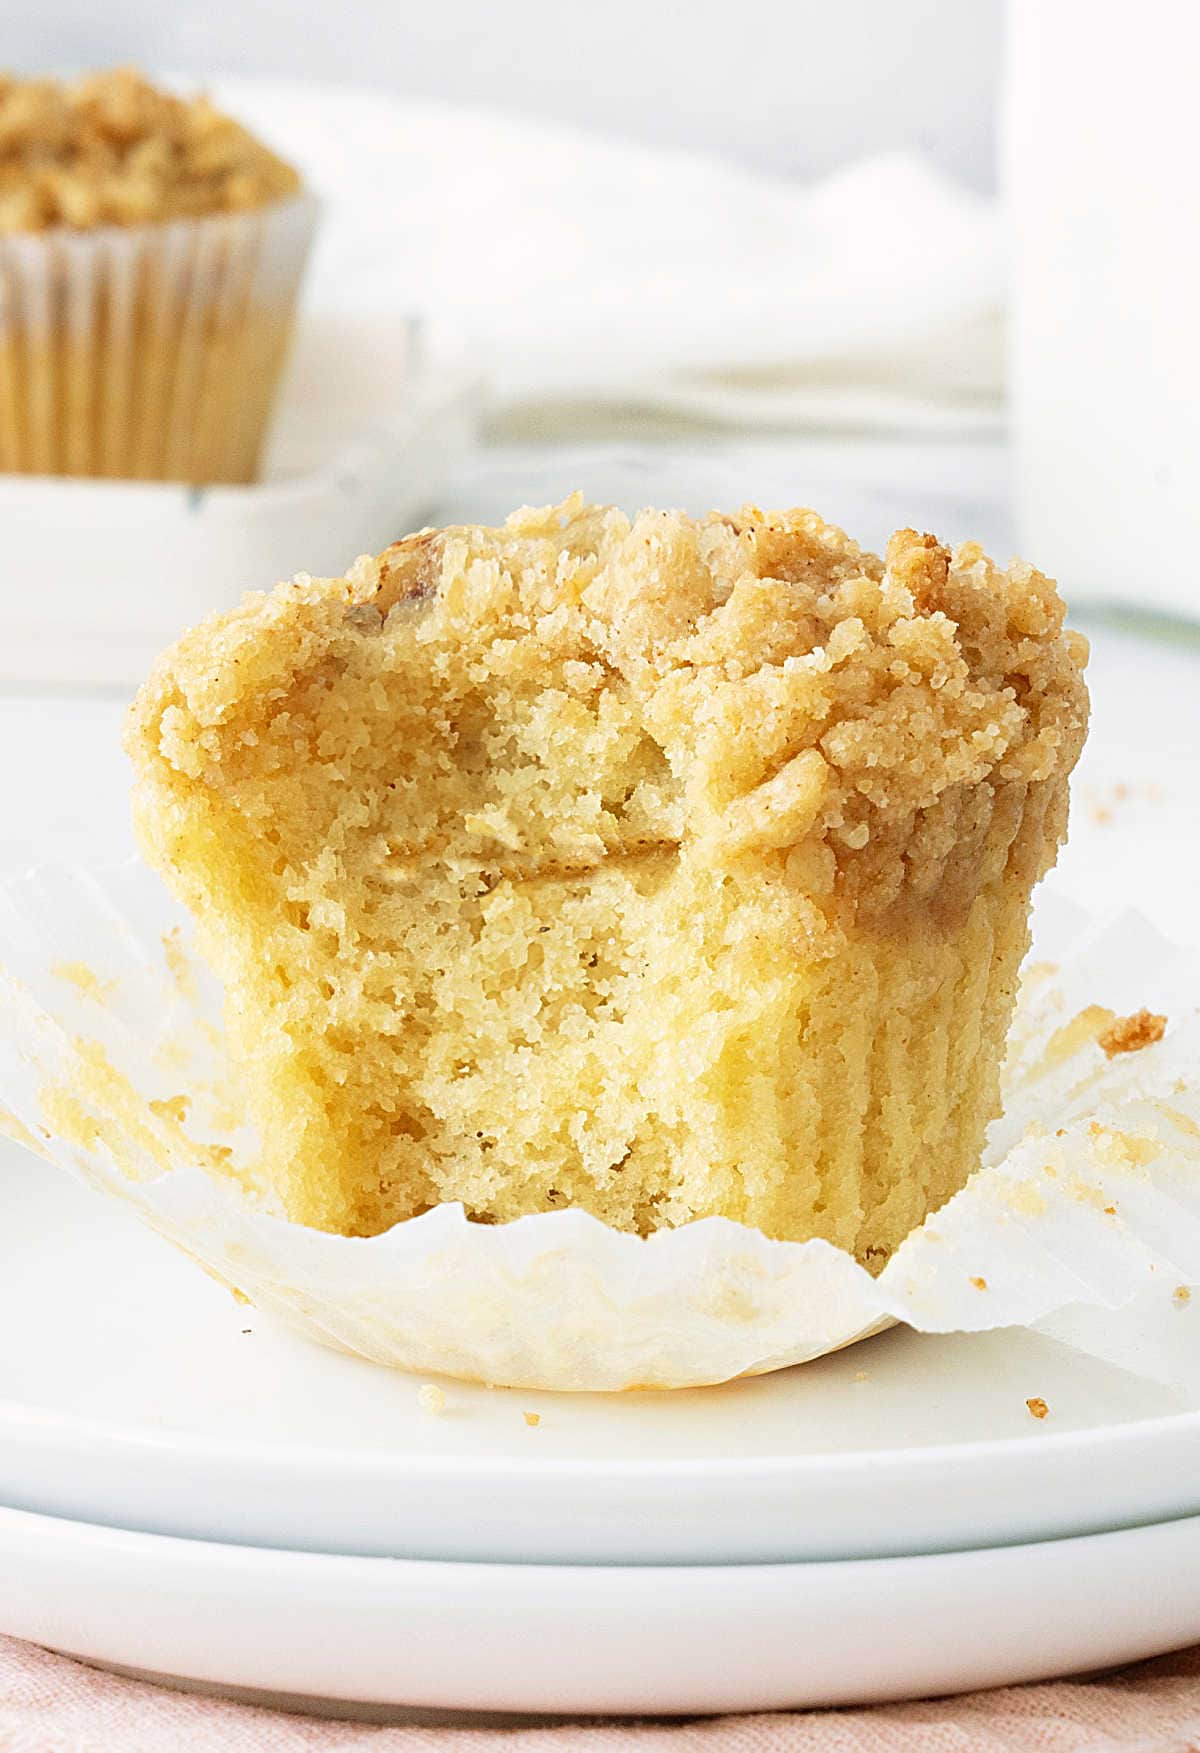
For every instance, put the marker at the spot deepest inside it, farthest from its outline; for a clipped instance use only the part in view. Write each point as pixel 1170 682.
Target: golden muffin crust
pixel 113 149
pixel 666 867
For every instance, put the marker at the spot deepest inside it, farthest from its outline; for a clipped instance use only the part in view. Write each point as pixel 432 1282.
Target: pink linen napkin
pixel 50 1704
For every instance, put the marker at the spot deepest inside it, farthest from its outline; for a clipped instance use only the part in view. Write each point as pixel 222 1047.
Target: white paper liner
pixel 148 352
pixel 1090 1193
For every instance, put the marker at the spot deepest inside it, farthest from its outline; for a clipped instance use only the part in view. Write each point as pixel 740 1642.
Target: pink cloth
pixel 49 1704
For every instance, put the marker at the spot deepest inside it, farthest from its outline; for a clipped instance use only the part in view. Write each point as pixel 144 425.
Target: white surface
pixel 526 1638
pixel 100 575
pixel 789 84
pixel 1105 348
pixel 587 270
pixel 141 1395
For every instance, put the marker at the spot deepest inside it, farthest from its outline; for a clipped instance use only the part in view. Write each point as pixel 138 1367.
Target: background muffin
pixel 150 255
pixel 667 869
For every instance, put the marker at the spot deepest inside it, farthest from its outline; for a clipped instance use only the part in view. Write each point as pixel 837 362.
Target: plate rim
pixel 106 1535
pixel 212 1611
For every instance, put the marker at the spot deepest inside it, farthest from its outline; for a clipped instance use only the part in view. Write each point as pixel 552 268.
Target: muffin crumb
pixel 1037 1407
pixel 1129 1034
pixel 173 1108
pixel 431 1399
pixel 533 1419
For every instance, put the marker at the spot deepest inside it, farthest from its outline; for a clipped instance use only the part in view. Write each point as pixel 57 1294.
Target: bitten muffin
pixel 667 868
pixel 150 254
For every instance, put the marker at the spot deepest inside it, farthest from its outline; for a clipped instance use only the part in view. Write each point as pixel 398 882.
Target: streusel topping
pixel 113 149
pixel 748 685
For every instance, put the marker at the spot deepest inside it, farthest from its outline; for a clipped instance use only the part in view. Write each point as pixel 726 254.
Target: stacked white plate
pixel 192 1494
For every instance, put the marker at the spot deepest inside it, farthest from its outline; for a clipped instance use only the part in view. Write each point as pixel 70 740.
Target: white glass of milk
pixel 1102 179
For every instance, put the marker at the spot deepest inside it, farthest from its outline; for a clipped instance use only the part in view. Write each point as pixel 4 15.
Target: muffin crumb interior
pixel 662 867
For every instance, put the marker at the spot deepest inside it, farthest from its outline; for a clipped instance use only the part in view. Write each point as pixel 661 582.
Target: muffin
pixel 150 255
pixel 667 869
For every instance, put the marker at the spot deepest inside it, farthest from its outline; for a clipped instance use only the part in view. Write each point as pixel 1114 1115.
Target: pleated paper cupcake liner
pixel 113 1066
pixel 148 352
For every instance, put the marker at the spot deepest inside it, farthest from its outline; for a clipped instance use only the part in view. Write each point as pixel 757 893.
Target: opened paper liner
pixel 1089 1193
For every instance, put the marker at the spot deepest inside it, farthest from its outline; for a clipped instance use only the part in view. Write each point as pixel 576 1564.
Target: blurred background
pixel 786 85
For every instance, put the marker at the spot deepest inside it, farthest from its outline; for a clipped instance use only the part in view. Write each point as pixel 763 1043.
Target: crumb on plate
pixel 1128 1034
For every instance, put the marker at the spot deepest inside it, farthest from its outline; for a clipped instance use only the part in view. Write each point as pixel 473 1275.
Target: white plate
pixel 135 1392
pixel 566 1639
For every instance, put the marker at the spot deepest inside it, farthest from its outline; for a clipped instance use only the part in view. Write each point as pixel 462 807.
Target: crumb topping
pixel 1129 1034
pixel 1037 1407
pixel 113 149
pixel 750 685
